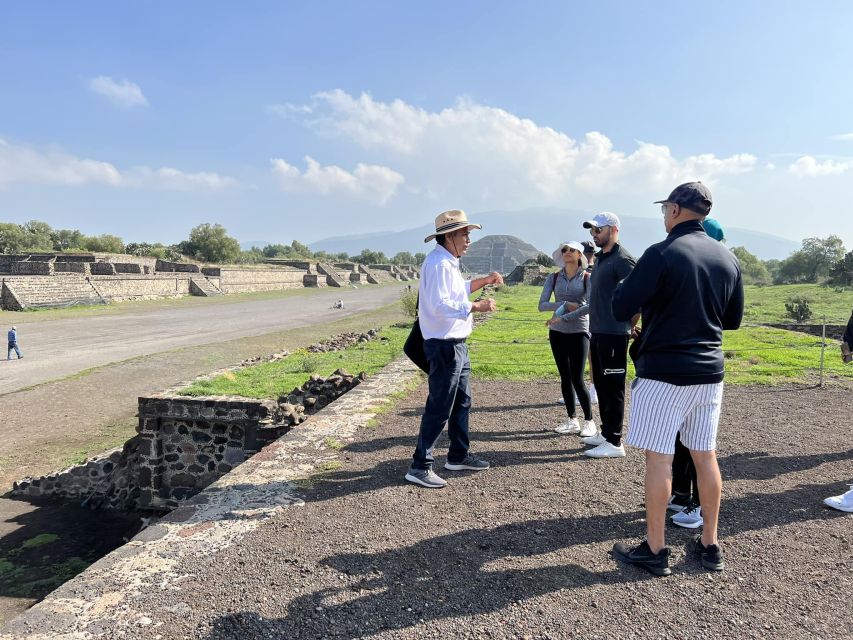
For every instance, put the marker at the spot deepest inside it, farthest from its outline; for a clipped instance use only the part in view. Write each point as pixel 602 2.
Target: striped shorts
pixel 660 410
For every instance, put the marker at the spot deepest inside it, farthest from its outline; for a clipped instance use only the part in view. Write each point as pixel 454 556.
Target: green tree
pixel 104 243
pixel 773 265
pixel 13 238
pixel 370 257
pixel 66 239
pixel 403 257
pixel 38 236
pixel 753 270
pixel 544 260
pixel 275 250
pixel 252 256
pixel 211 243
pixel 841 274
pixel 812 261
pixel 419 259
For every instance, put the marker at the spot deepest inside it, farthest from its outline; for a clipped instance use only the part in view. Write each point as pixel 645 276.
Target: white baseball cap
pixel 603 219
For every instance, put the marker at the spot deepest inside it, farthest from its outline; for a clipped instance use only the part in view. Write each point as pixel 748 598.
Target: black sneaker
pixel 711 556
pixel 470 463
pixel 642 556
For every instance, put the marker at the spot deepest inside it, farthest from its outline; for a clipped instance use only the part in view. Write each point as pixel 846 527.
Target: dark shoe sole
pixel 658 571
pixel 713 566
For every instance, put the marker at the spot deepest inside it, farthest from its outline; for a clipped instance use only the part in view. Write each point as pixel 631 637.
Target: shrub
pixel 798 309
pixel 409 301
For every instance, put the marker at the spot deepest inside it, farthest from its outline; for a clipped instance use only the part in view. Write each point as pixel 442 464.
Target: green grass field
pixel 767 304
pixel 270 379
pixel 513 345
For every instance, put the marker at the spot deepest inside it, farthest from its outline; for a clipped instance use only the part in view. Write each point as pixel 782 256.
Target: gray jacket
pixel 575 290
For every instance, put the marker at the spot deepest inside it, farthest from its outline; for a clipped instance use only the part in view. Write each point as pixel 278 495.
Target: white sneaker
pixel 593 394
pixel 561 401
pixel 690 518
pixel 589 429
pixel 844 502
pixel 570 426
pixel 594 441
pixel 606 450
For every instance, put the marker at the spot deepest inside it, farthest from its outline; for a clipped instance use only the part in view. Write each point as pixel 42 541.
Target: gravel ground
pixel 522 550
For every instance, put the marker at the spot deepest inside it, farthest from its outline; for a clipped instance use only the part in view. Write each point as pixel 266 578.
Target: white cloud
pixel 491 156
pixel 373 183
pixel 847 137
pixel 809 167
pixel 122 93
pixel 20 164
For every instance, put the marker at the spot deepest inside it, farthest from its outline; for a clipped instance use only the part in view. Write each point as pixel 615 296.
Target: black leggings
pixel 570 352
pixel 684 472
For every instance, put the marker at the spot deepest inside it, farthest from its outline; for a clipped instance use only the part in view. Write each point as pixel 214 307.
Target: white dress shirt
pixel 444 310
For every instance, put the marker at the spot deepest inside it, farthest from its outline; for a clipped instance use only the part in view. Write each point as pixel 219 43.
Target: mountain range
pixel 544 228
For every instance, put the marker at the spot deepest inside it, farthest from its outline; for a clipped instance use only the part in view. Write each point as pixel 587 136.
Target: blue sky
pixel 299 121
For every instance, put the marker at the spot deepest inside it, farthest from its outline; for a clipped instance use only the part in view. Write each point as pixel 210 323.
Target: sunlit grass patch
pixel 513 345
pixel 271 379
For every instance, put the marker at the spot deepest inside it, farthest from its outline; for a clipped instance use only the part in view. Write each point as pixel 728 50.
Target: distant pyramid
pixel 497 253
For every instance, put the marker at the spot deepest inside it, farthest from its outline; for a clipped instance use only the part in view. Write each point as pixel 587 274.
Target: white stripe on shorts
pixel 660 410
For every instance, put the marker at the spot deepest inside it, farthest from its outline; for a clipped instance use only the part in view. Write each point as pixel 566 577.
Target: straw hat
pixel 452 220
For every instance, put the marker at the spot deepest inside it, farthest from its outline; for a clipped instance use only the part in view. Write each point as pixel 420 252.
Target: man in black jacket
pixel 608 346
pixel 689 289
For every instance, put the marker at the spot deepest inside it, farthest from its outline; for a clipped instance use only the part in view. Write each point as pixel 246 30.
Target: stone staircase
pixel 201 286
pixel 333 278
pixel 61 290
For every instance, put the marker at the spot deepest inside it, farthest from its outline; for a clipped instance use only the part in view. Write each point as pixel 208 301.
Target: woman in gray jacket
pixel 569 331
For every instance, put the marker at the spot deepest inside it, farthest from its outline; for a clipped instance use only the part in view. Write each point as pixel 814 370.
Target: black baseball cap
pixel 691 195
pixel 588 246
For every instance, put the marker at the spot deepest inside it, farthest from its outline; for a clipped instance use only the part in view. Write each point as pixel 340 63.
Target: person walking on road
pixel 609 341
pixel 689 288
pixel 446 321
pixel 13 344
pixel 569 332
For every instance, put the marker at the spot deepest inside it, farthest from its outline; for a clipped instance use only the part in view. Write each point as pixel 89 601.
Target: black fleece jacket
pixel 689 289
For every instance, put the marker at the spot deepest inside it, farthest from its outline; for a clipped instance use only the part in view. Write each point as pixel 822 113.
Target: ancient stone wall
pixel 72 267
pixel 37 268
pixel 128 267
pixel 59 290
pixel 102 269
pixel 241 280
pixel 136 287
pixel 176 267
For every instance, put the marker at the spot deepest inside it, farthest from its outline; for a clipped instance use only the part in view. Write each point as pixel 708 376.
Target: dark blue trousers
pixel 449 402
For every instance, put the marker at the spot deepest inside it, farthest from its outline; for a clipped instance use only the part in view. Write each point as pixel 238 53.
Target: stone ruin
pixel 533 274
pixel 30 281
pixel 183 444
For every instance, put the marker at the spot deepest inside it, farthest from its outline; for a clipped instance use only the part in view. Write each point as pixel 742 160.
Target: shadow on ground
pixel 47 542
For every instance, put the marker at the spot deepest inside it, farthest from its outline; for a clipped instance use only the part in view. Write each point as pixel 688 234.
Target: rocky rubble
pixel 344 340
pixel 335 343
pixel 315 394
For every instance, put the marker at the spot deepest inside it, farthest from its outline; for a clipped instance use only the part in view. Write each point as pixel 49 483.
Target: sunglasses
pixel 596 230
pixel 564 249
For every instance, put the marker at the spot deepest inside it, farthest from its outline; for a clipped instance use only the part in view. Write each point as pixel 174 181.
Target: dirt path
pixel 521 550
pixel 68 345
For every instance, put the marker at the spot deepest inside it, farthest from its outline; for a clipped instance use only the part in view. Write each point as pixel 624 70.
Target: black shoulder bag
pixel 414 346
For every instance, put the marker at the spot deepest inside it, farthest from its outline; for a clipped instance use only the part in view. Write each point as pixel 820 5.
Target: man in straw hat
pixel 444 313
pixel 689 288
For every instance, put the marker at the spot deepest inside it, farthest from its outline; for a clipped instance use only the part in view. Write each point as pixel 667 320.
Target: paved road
pixel 59 348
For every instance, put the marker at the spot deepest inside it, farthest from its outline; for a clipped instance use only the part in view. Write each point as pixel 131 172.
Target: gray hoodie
pixel 564 290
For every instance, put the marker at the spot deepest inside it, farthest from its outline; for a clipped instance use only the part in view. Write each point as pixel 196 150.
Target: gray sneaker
pixel 471 463
pixel 426 478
